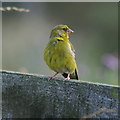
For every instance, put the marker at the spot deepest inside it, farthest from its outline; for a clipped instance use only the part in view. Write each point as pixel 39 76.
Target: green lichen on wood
pixel 34 96
pixel 113 93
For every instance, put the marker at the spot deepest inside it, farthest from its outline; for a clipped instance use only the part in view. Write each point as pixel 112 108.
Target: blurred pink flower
pixel 110 61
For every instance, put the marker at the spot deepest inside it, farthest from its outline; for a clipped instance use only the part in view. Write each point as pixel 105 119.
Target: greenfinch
pixel 59 53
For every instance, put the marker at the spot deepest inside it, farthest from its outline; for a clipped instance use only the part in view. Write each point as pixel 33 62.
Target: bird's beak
pixel 69 31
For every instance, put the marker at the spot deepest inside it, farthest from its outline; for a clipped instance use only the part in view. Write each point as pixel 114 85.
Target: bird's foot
pixel 68 77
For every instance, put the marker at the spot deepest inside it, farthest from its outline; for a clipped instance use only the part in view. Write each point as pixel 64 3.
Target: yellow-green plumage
pixel 59 52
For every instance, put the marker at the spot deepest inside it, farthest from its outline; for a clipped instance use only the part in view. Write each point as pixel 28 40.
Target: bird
pixel 59 53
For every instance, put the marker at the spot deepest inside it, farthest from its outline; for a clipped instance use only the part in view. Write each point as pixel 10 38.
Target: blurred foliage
pixel 95 39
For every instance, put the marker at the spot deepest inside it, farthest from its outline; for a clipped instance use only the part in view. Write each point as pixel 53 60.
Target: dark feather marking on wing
pixel 54 60
pixel 50 59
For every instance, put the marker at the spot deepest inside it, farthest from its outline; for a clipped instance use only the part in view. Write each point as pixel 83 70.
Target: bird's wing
pixel 74 75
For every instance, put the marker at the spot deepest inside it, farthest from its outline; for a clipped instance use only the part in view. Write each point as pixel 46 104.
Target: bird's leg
pixel 68 77
pixel 51 77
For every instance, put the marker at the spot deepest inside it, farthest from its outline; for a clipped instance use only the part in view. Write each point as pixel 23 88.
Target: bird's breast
pixel 60 57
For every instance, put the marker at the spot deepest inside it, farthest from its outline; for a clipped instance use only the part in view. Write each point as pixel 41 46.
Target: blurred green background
pixel 95 39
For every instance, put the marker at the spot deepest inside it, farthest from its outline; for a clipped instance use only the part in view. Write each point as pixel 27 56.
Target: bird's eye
pixel 65 29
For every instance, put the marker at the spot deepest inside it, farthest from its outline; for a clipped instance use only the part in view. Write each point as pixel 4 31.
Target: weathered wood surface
pixel 34 96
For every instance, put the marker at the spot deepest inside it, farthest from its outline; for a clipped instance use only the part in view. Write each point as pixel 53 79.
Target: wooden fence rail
pixel 34 96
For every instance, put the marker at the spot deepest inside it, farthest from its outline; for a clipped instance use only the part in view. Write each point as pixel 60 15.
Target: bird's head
pixel 61 31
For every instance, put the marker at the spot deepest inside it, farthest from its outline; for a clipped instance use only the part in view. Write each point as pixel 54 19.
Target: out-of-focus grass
pixel 96 35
